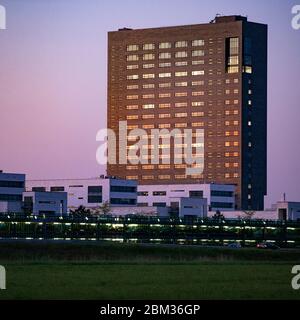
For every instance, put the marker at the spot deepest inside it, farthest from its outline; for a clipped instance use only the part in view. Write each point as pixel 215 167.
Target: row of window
pixel 164 55
pixel 165 75
pixel 180 166
pixel 184 125
pixel 178 84
pixel 164 64
pixel 177 115
pixel 178 176
pixel 176 94
pixel 165 45
pixel 179 105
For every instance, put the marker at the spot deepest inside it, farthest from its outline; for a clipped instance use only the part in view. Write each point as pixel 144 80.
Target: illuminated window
pixel 248 69
pixel 180 84
pixel 148 75
pixel 197 53
pixel 197 62
pixel 148 177
pixel 148 66
pixel 148 96
pixel 132 57
pixel 165 64
pixel 148 86
pixel 132 126
pixel 180 104
pixel 164 166
pixel 181 54
pixel 197 93
pixel 132 117
pixel 132 86
pixel 164 125
pixel 148 56
pixel 197 114
pixel 132 66
pixel 164 95
pixel 148 46
pixel 132 167
pixel 132 107
pixel 148 116
pixel 165 45
pixel 164 75
pixel 232 69
pixel 165 85
pixel 132 77
pixel 180 115
pixel 181 74
pixel 181 63
pixel 198 83
pixel 181 44
pixel 181 125
pixel 132 97
pixel 148 167
pixel 180 94
pixel 164 115
pixel 197 103
pixel 148 106
pixel 165 55
pixel 164 177
pixel 197 124
pixel 148 126
pixel 180 176
pixel 164 105
pixel 132 47
pixel 197 72
pixel 132 177
pixel 197 43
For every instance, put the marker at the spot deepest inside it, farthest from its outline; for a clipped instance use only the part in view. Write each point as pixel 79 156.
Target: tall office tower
pixel 209 76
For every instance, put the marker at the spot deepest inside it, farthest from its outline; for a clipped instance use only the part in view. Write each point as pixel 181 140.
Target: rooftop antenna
pixel 284 196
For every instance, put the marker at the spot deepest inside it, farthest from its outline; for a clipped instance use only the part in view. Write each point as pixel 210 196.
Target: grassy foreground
pixel 112 271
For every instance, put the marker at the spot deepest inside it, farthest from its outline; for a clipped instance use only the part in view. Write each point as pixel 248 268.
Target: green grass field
pixel 111 271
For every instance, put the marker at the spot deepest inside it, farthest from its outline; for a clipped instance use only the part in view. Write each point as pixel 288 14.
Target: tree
pixel 105 208
pixel 249 214
pixel 218 216
pixel 80 212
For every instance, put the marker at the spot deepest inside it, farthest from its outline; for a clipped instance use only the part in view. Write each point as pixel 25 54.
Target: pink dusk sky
pixel 53 72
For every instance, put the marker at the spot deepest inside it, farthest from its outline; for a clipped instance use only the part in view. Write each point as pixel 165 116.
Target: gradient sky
pixel 53 80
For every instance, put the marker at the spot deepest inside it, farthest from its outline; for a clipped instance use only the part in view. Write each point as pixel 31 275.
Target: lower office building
pixel 184 208
pixel 219 196
pixel 12 186
pixel 45 203
pixel 90 193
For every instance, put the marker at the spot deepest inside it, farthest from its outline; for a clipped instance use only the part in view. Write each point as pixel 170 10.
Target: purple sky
pixel 53 80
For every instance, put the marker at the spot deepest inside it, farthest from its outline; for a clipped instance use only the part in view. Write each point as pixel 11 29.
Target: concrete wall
pixel 77 189
pixel 182 191
pixel 49 203
pixel 11 195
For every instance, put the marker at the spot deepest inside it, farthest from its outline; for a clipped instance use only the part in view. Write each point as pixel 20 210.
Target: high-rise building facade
pixel 209 76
